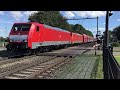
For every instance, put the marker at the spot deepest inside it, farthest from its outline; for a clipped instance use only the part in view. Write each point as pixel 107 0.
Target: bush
pixel 115 44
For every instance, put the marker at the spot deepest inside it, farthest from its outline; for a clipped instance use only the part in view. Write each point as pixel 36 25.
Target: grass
pixel 99 74
pixel 116 49
pixel 118 59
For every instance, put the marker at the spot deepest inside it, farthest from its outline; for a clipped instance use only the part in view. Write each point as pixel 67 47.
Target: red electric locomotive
pixel 34 35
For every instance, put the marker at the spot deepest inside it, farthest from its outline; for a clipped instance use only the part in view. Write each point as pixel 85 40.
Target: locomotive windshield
pixel 21 27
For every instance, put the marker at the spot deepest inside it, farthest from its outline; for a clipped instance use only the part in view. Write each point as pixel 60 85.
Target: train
pixel 37 37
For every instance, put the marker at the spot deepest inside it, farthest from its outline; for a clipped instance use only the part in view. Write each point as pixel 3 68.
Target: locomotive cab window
pixel 37 28
pixel 21 27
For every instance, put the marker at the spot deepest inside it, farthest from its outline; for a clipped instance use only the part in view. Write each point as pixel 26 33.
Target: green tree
pixel 116 32
pixel 77 28
pixel 1 39
pixel 52 18
pixel 55 19
pixel 110 36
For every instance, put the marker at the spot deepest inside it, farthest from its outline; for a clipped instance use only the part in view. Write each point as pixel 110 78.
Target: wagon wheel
pixel 37 51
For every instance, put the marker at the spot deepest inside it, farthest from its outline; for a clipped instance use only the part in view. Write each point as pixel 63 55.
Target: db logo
pixel 59 36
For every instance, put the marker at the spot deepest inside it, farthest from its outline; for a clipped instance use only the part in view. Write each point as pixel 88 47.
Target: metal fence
pixel 111 68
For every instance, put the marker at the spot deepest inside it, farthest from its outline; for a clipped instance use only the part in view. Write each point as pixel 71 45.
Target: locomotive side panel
pixel 47 36
pixel 77 38
pixel 35 36
pixel 54 36
pixel 84 38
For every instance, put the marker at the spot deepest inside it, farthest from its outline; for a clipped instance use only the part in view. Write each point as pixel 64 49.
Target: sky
pixel 8 18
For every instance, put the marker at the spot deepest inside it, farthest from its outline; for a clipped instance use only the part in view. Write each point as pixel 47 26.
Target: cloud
pixel 16 14
pixel 90 13
pixel 101 28
pixel 118 20
pixel 28 13
pixel 1 30
pixel 94 30
pixel 19 15
pixel 69 14
pixel 2 12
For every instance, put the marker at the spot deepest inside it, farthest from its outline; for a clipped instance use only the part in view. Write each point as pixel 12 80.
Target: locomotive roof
pixel 47 26
pixel 23 23
pixel 76 33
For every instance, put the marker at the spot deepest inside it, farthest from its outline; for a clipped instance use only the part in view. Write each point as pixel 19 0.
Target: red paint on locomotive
pixel 35 35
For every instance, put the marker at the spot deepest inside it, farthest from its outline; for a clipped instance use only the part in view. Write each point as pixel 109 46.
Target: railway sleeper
pixel 40 66
pixel 12 77
pixel 36 68
pixel 31 70
pixel 48 71
pixel 40 77
pixel 20 75
pixel 25 72
pixel 44 74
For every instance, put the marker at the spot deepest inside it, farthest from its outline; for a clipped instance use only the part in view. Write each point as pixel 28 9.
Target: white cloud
pixel 27 13
pixel 101 28
pixel 118 20
pixel 1 30
pixel 2 12
pixel 94 30
pixel 16 14
pixel 69 14
pixel 90 13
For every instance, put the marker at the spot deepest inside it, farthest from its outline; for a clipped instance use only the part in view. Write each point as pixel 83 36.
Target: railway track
pixel 14 59
pixel 24 63
pixel 33 66
pixel 19 57
pixel 34 70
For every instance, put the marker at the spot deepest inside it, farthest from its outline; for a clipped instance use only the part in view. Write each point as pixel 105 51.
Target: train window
pixel 16 27
pixel 37 28
pixel 25 27
pixel 21 27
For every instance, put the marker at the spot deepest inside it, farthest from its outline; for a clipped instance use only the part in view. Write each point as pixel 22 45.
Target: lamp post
pixel 105 45
pixel 108 13
pixel 106 31
pixel 97 27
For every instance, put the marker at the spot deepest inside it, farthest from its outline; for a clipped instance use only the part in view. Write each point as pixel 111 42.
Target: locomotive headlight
pixel 11 40
pixel 24 40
